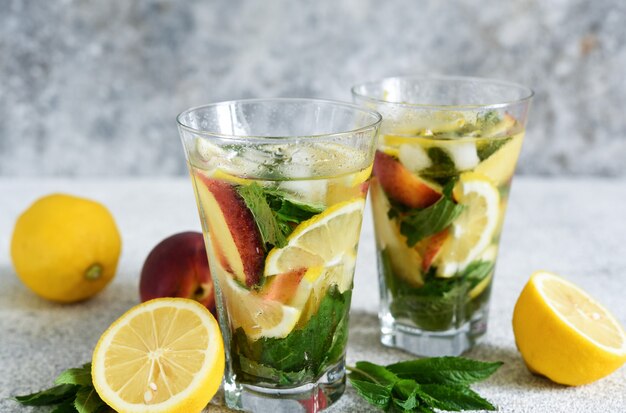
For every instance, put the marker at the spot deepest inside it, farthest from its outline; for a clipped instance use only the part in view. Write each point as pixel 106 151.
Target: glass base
pixel 424 343
pixel 309 398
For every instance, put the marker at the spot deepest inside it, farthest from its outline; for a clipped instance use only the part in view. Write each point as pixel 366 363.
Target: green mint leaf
pixel 307 350
pixel 254 198
pixel 88 401
pixel 405 395
pixel 65 407
pixel 442 168
pixel 476 271
pixel 53 395
pixel 270 374
pixel 453 397
pixel 374 394
pixel 288 209
pixel 421 223
pixel 275 212
pixel 365 370
pixel 487 120
pixel 80 376
pixel 488 147
pixel 444 370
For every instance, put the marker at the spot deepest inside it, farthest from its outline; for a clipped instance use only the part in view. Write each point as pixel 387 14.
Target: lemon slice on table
pixel 323 240
pixel 474 228
pixel 564 334
pixel 165 355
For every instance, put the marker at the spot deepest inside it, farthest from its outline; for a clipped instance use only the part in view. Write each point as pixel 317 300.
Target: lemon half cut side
pixel 564 334
pixel 164 355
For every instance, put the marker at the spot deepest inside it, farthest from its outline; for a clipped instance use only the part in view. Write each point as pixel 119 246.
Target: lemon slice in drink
pixel 165 355
pixel 323 240
pixel 257 315
pixel 564 334
pixel 500 166
pixel 474 228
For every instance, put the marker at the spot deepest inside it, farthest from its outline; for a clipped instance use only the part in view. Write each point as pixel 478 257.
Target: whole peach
pixel 178 267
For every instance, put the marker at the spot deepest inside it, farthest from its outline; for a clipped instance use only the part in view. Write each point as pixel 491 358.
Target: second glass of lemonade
pixel 280 186
pixel 442 173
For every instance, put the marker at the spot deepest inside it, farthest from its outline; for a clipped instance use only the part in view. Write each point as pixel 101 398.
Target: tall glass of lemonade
pixel 280 186
pixel 442 174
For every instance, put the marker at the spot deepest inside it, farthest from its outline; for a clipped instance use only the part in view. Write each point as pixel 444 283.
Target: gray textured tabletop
pixel 574 227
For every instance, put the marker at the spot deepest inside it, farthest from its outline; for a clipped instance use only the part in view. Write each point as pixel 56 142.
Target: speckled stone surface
pixel 92 88
pixel 571 226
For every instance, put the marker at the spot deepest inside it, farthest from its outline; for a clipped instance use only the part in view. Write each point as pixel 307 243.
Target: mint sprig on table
pixel 73 393
pixel 423 385
pixel 275 212
pixel 409 386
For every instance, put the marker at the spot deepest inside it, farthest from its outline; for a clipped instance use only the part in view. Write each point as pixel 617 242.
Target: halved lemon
pixel 474 228
pixel 564 334
pixel 320 241
pixel 165 355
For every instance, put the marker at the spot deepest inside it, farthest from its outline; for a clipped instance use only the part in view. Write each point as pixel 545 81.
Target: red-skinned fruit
pixel 283 286
pixel 429 248
pixel 178 267
pixel 401 185
pixel 235 236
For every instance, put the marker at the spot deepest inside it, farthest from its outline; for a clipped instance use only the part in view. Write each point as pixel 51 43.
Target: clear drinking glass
pixel 280 186
pixel 442 173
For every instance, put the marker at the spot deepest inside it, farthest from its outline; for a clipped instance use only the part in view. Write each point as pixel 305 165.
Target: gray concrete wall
pixel 92 87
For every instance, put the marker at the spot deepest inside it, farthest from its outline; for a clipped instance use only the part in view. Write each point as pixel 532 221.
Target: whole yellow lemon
pixel 65 248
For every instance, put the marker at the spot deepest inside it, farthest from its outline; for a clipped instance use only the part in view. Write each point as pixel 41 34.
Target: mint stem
pixel 361 372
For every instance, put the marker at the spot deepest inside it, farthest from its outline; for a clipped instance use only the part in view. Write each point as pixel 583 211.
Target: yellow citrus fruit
pixel 164 355
pixel 500 166
pixel 259 317
pixel 405 261
pixel 323 240
pixel 65 248
pixel 564 334
pixel 473 230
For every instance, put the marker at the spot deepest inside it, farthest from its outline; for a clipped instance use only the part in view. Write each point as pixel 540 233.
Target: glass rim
pixel 527 94
pixel 376 120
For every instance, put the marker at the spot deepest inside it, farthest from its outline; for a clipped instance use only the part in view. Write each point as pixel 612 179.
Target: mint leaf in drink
pixel 80 376
pixel 272 375
pixel 444 370
pixel 476 271
pixel 306 351
pixel 275 212
pixel 417 224
pixel 487 147
pixel 53 395
pixel 288 209
pixel 419 388
pixel 442 168
pixel 254 198
pixel 88 401
pixel 487 120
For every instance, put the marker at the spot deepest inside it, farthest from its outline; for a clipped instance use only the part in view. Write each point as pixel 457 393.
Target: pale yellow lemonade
pixel 439 196
pixel 283 252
